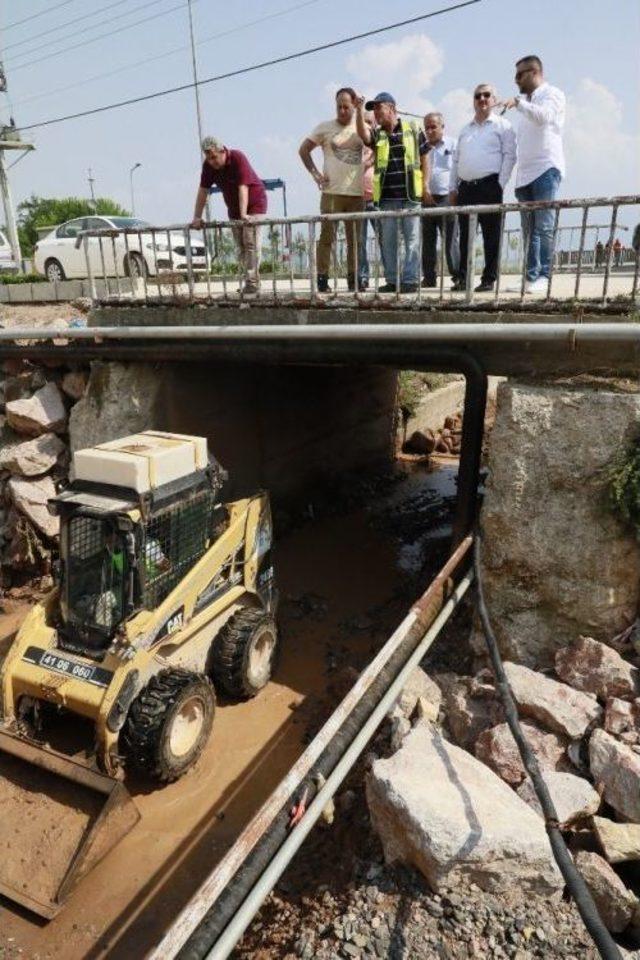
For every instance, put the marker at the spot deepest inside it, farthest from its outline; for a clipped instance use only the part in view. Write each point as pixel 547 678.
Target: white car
pixel 7 263
pixel 61 254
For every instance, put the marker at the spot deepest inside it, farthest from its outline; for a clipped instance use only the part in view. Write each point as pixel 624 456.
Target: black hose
pixel 606 945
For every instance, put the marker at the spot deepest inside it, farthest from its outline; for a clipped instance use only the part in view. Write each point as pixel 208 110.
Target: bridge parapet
pixel 178 265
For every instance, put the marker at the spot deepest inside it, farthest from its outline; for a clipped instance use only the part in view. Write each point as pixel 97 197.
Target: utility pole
pixel 10 140
pixel 91 180
pixel 196 90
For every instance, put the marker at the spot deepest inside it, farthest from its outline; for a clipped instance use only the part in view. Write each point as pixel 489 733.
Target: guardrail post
pixel 471 257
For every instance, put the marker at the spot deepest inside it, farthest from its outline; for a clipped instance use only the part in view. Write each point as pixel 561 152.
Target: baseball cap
pixel 383 97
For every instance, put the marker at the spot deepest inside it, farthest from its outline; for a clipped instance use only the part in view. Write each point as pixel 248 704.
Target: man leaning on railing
pixel 245 198
pixel 541 109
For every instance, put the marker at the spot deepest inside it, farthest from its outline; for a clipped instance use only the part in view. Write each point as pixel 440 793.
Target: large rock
pixel 419 687
pixel 121 399
pixel 595 668
pixel 617 768
pixel 616 905
pixel 498 749
pixel 74 384
pixel 619 841
pixel 556 563
pixel 554 705
pixel 573 797
pixel 620 716
pixel 30 498
pixel 44 412
pixel 33 457
pixel 437 808
pixel 469 715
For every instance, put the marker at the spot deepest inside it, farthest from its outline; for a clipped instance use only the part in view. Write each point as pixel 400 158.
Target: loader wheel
pixel 244 653
pixel 169 723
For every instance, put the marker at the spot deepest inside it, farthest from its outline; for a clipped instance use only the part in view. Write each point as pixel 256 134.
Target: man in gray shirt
pixel 440 156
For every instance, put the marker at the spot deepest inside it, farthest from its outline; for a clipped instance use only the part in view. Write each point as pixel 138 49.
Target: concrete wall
pixel 557 563
pixel 285 428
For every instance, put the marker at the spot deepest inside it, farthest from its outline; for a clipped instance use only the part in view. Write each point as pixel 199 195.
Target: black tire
pixel 232 664
pixel 146 739
pixel 135 266
pixel 54 271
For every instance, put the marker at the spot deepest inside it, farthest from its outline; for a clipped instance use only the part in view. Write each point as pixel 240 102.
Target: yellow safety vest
pixel 413 172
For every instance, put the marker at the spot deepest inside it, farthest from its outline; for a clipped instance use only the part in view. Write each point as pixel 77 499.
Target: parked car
pixel 61 254
pixel 7 263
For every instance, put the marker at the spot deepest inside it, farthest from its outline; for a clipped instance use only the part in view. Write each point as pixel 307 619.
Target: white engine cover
pixel 141 462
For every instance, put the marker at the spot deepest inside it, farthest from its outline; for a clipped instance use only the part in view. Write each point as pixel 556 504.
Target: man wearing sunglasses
pixel 541 108
pixel 481 168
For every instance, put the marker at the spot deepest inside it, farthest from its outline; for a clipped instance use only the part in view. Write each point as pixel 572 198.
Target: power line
pixel 34 16
pixel 61 26
pixel 256 66
pixel 102 36
pixel 76 33
pixel 167 53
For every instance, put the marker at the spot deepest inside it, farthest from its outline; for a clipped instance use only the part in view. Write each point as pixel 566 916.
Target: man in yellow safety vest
pixel 399 183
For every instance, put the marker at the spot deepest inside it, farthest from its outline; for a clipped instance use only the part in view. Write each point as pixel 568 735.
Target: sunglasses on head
pixel 482 96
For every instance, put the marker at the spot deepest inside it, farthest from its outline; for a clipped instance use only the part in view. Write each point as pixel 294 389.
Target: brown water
pixel 349 567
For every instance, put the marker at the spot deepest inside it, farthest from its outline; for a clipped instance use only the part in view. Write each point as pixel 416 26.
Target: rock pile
pixel 583 724
pixel 447 440
pixel 35 401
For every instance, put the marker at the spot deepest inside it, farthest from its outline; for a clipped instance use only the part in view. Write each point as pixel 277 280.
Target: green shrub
pixel 623 485
pixel 22 278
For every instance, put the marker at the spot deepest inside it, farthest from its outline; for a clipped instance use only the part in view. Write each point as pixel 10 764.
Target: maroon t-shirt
pixel 236 172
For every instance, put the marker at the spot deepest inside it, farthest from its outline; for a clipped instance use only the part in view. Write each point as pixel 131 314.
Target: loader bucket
pixel 58 818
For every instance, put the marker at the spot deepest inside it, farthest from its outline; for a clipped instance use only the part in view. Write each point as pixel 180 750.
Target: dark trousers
pixel 487 190
pixel 448 235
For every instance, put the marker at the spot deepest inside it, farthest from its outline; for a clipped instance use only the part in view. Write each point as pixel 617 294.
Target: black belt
pixel 474 183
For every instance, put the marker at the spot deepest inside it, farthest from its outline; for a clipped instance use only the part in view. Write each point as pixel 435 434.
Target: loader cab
pixel 96 592
pixel 116 562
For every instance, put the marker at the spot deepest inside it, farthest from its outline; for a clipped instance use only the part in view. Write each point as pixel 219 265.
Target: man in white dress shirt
pixel 483 163
pixel 541 110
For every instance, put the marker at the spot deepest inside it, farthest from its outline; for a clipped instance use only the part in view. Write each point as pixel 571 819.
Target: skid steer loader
pixel 164 593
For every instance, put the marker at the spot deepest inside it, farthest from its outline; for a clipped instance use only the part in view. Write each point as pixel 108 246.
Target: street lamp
pixel 131 172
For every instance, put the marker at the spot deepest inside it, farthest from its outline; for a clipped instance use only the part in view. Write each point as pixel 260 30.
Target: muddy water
pixel 343 592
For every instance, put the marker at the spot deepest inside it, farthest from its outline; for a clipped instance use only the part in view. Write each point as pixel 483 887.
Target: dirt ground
pixel 37 314
pixel 346 581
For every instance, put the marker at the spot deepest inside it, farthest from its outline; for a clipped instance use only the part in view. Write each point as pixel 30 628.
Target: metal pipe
pixel 243 917
pixel 442 333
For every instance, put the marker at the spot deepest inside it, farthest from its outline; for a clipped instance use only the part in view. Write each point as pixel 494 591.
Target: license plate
pixel 51 660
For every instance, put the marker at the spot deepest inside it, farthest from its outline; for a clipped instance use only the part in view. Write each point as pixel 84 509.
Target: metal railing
pixel 178 264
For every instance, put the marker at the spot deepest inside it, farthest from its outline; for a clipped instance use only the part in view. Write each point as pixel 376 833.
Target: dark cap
pixel 383 97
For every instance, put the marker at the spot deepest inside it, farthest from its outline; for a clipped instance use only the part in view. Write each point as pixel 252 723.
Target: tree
pixel 50 211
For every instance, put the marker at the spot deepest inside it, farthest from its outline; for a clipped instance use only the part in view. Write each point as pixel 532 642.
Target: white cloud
pixel 602 158
pixel 406 68
pixel 456 107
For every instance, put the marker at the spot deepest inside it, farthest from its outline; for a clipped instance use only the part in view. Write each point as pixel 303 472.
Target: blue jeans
pixel 409 228
pixel 363 256
pixel 537 225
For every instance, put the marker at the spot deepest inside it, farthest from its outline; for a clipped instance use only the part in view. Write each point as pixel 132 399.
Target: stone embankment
pixel 35 405
pixel 483 823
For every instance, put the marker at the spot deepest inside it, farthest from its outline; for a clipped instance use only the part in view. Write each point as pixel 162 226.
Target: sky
pixel 58 62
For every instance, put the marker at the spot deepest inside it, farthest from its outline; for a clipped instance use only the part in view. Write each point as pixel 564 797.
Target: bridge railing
pixel 179 263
